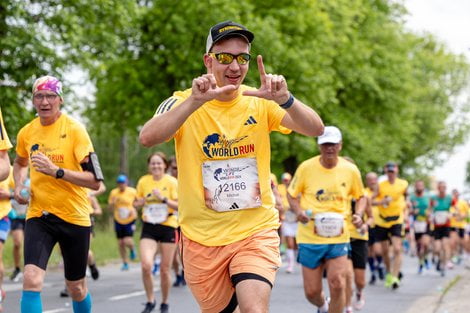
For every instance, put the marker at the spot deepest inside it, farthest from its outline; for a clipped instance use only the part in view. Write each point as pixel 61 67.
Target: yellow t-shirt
pixel 461 208
pixel 5 143
pixel 394 210
pixel 325 190
pixel 123 204
pixel 283 192
pixel 66 143
pixel 235 133
pixel 168 187
pixel 374 208
pixel 5 204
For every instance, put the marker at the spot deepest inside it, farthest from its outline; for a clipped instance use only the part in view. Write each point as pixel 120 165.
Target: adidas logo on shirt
pixel 250 121
pixel 234 205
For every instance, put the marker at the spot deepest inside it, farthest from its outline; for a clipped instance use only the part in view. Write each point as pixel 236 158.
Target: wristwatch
pixel 165 200
pixel 60 173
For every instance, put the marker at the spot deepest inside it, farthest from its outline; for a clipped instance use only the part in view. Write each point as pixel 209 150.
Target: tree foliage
pixel 392 92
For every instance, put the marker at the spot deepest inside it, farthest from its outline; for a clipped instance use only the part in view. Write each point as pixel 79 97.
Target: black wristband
pixel 288 103
pixel 165 200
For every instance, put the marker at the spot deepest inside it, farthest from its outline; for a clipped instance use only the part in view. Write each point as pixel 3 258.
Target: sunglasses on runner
pixel 227 58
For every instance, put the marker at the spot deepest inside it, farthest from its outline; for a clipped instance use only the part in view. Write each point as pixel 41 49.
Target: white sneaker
pixel 359 301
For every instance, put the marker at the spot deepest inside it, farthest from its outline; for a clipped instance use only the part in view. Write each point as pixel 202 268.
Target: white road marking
pixel 127 295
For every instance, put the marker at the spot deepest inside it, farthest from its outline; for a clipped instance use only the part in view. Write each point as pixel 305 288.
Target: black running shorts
pixel 41 235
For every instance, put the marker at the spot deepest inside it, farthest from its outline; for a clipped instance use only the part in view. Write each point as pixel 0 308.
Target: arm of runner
pixel 4 165
pixel 299 117
pixel 20 172
pixel 42 164
pixel 173 204
pixel 361 205
pixel 164 126
pixel 294 204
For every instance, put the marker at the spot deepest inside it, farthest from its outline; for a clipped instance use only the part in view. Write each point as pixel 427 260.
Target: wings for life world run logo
pixel 216 145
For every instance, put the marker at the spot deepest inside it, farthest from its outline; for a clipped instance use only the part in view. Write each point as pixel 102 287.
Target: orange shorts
pixel 213 272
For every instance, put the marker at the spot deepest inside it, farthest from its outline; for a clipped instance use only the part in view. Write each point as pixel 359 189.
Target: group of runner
pixel 223 199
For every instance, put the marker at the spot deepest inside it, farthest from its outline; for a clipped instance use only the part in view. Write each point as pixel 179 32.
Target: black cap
pixel 390 166
pixel 224 29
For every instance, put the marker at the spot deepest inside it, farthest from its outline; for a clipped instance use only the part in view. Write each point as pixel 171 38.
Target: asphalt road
pixel 120 292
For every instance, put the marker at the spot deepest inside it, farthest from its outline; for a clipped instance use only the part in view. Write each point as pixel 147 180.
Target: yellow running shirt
pixel 5 204
pixel 168 187
pixel 223 153
pixel 394 211
pixel 461 208
pixel 375 209
pixel 123 204
pixel 325 190
pixel 5 143
pixel 66 143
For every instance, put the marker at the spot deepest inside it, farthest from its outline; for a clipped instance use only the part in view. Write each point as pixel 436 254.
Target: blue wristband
pixel 288 103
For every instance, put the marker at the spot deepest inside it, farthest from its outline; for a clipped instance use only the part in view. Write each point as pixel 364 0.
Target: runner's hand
pixel 42 164
pixel 303 218
pixel 273 87
pixel 357 220
pixel 205 88
pixel 18 197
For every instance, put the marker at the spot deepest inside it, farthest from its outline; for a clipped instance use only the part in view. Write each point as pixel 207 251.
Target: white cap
pixel 331 135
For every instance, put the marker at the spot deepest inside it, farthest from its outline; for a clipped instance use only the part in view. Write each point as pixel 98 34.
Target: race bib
pixel 155 213
pixel 328 224
pixel 420 227
pixel 123 213
pixel 290 217
pixel 441 218
pixel 231 185
pixel 19 208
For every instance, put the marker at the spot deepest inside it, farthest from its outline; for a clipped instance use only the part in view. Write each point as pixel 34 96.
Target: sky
pixel 449 21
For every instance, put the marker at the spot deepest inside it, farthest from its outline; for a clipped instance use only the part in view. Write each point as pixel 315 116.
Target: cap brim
pixel 328 140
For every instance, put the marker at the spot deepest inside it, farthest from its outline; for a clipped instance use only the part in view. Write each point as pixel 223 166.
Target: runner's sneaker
pixel 132 254
pixel 395 283
pixel 359 301
pixel 290 269
pixel 450 265
pixel 325 306
pixel 388 280
pixel 16 275
pixel 372 279
pixel 64 293
pixel 125 267
pixel 164 308
pixel 149 307
pixel 348 310
pixel 426 263
pixel 95 274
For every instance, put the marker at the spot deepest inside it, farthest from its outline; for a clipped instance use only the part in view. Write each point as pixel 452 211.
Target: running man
pixel 320 194
pixel 421 202
pixel 391 202
pixel 441 204
pixel 120 202
pixel 5 145
pixel 59 154
pixel 221 127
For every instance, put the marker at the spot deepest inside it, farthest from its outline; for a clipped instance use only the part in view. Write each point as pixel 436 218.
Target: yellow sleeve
pixel 21 145
pixel 83 145
pixel 357 189
pixel 275 116
pixel 5 143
